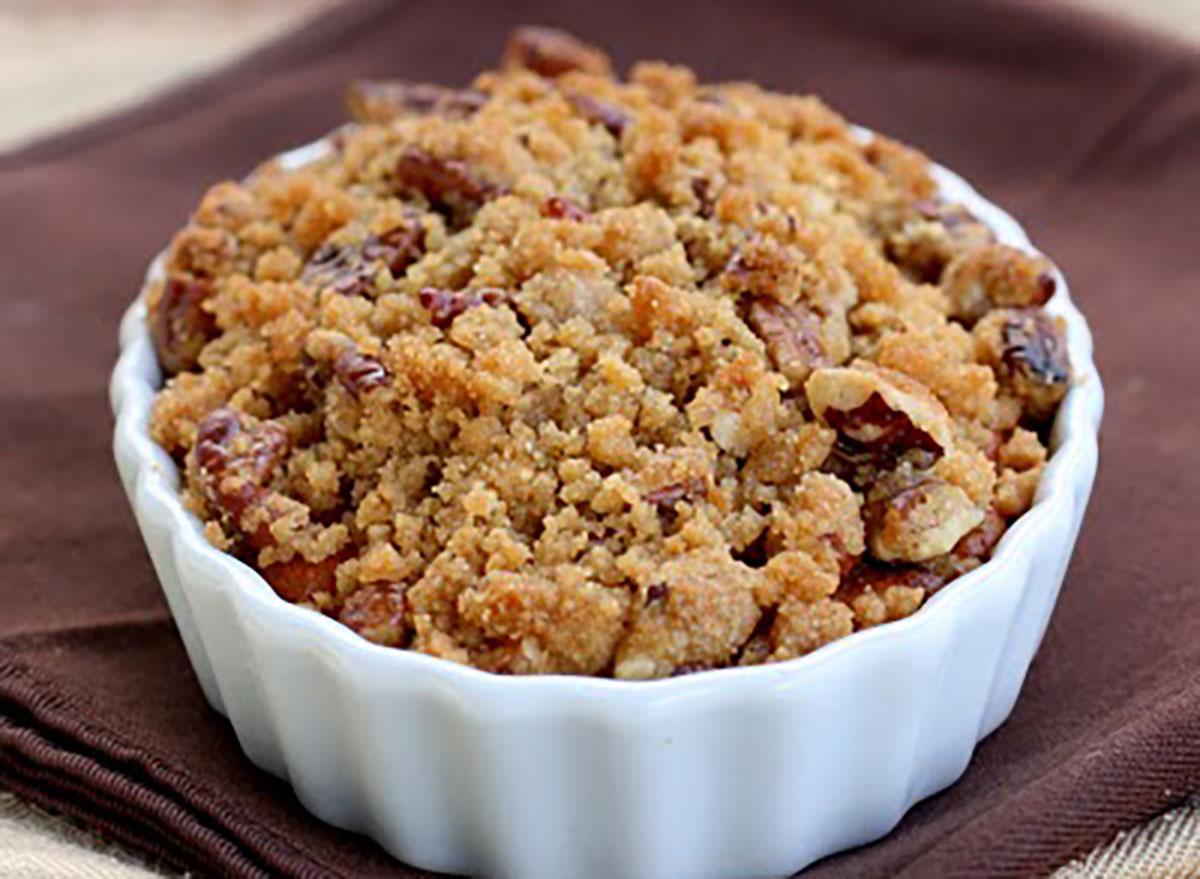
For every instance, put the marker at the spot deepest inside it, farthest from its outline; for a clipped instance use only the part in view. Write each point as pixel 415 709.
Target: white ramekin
pixel 742 772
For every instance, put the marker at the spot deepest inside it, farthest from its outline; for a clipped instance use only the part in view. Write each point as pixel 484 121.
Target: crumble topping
pixel 559 373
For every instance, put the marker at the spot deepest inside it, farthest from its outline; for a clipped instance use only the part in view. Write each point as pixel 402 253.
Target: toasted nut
pixel 447 184
pixel 298 580
pixel 996 276
pixel 1027 349
pixel 880 415
pixel 376 611
pixel 445 305
pixel 381 101
pixel 871 575
pixel 879 593
pixel 920 522
pixel 796 338
pixel 665 499
pixel 600 112
pixel 559 208
pixel 551 53
pixel 398 247
pixel 179 325
pixel 233 464
pixel 359 373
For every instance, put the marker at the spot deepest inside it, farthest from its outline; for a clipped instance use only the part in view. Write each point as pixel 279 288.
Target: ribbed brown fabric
pixel 1087 131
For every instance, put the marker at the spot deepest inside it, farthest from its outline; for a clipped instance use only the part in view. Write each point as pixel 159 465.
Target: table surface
pixel 110 54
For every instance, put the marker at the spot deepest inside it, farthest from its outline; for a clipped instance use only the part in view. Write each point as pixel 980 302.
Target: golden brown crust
pixel 557 373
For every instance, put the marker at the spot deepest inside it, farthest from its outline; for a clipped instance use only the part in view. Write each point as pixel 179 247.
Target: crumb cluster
pixel 562 373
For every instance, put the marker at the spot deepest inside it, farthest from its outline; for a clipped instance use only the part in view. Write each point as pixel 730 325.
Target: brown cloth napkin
pixel 1087 131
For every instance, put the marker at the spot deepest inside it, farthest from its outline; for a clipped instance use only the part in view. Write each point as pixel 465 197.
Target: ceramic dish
pixel 742 772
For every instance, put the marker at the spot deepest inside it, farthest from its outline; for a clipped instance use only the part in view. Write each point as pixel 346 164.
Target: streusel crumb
pixel 558 373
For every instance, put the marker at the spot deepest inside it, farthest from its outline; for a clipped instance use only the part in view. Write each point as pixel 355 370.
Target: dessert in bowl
pixel 534 393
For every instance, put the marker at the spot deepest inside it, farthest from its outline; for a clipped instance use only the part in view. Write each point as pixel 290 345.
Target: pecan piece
pixel 397 248
pixel 919 522
pixel 381 101
pixel 234 466
pixel 979 542
pixel 447 184
pixel 600 112
pixel 180 327
pixel 880 416
pixel 298 580
pixel 376 611
pixel 996 276
pixel 972 550
pixel 445 305
pixel 665 499
pixel 341 269
pixel 1027 349
pixel 359 373
pixel 559 208
pixel 879 578
pixel 762 268
pixel 657 592
pixel 550 53
pixel 792 335
pixel 702 189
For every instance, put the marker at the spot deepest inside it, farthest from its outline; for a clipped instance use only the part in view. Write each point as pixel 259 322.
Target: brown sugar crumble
pixel 559 373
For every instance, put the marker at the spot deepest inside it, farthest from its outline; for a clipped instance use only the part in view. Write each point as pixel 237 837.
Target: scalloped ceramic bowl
pixel 742 772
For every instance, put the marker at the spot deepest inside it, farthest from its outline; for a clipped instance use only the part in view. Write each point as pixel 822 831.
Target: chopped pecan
pixel 763 268
pixel 179 325
pixel 878 433
pixel 979 542
pixel 919 522
pixel 550 53
pixel 657 592
pixel 702 189
pixel 845 560
pixel 996 276
pixel 447 184
pixel 1027 349
pixel 445 305
pixel 972 550
pixel 559 208
pixel 870 574
pixel 299 580
pixel 341 269
pixel 397 248
pixel 599 112
pixel 381 101
pixel 202 251
pixel 376 611
pixel 235 465
pixel 359 373
pixel 791 335
pixel 880 416
pixel 666 497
